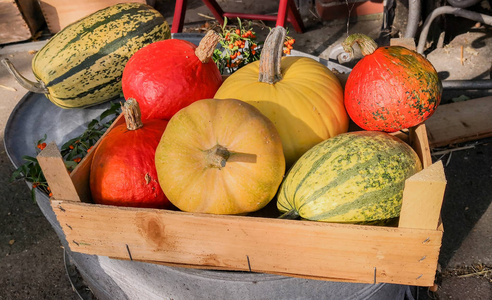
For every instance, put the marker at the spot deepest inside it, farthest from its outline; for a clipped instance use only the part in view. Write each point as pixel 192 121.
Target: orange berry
pixel 50 195
pixel 77 159
pixel 71 147
pixel 238 31
pixel 42 146
pixel 253 52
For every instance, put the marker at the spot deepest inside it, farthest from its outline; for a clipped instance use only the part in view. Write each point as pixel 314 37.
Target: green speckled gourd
pixel 354 177
pixel 82 65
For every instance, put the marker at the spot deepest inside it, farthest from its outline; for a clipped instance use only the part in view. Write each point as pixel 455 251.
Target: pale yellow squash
pixel 301 96
pixel 220 157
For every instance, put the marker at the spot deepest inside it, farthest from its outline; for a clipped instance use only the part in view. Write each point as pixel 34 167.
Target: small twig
pixel 475 273
pixel 205 16
pixel 449 158
pixel 8 88
pixel 461 57
pixel 452 150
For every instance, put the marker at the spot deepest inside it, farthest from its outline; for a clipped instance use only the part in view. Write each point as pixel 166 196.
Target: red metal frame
pixel 287 11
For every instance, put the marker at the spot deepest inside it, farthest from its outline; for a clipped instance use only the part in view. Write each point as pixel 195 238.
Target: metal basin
pixel 108 278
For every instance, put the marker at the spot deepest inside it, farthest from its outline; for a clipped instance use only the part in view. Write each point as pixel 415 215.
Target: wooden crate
pixel 19 20
pixel 60 13
pixel 406 254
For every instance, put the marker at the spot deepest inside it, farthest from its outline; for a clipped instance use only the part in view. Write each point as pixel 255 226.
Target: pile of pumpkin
pixel 204 144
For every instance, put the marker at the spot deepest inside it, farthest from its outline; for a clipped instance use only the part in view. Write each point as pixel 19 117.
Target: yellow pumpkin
pixel 220 157
pixel 301 96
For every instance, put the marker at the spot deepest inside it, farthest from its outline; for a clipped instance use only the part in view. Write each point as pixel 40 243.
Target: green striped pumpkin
pixel 354 177
pixel 82 64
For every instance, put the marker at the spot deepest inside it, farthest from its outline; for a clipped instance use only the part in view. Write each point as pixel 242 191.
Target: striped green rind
pixel 82 65
pixel 354 177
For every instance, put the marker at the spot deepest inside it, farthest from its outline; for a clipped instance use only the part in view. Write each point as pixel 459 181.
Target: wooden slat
pixel 56 173
pixel 422 198
pixel 81 174
pixel 303 248
pixel 460 122
pixel 420 143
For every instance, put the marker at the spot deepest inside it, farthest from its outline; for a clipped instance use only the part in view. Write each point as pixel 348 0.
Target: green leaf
pixel 93 123
pixel 29 159
pixel 19 173
pixel 113 110
pixel 68 143
pixel 41 140
pixel 33 195
pixel 70 164
pixel 225 23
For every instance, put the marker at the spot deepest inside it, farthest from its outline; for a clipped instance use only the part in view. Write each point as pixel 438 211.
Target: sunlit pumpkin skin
pixel 168 75
pixel 306 104
pixel 123 170
pixel 391 89
pixel 220 157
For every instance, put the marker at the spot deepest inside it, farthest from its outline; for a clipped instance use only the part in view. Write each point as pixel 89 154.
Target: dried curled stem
pixel 271 56
pixel 207 45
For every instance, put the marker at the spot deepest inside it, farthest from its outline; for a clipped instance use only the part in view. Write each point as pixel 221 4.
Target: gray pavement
pixel 31 257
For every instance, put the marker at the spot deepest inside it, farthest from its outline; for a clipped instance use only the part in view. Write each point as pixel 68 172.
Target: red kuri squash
pixel 391 88
pixel 123 170
pixel 168 75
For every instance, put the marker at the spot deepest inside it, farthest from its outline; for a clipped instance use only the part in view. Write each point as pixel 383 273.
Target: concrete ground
pixel 31 257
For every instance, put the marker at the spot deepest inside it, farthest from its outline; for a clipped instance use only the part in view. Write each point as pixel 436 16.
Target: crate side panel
pixel 303 248
pixel 81 174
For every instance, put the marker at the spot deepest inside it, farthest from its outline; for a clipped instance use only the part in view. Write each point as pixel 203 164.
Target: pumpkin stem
pixel 133 117
pixel 218 156
pixel 366 44
pixel 207 45
pixel 271 55
pixel 292 214
pixel 35 87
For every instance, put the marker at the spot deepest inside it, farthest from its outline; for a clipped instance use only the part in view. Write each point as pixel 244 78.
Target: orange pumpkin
pixel 301 96
pixel 220 157
pixel 123 170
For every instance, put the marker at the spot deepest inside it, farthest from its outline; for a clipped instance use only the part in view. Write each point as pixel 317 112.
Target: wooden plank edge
pixel 81 174
pixel 435 236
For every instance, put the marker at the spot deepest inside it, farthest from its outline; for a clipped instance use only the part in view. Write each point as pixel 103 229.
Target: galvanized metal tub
pixel 109 278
